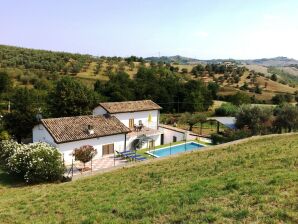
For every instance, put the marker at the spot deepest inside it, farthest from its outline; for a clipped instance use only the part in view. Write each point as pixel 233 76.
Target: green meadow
pixel 252 182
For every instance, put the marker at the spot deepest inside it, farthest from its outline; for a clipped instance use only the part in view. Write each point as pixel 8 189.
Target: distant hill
pixel 268 62
pixel 275 62
pixel 174 59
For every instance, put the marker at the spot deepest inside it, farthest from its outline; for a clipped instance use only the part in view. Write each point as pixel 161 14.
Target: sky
pixel 213 29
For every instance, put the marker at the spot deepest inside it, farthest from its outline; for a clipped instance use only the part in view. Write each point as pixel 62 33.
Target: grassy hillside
pixel 288 74
pixel 256 181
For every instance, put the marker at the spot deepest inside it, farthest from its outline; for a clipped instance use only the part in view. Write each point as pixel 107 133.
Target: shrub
pixel 282 98
pixel 7 149
pixel 230 135
pixel 35 163
pixel 226 109
pixel 286 117
pixel 84 153
pixel 4 135
pixel 217 138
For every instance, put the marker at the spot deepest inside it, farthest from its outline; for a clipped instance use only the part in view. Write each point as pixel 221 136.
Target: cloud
pixel 201 34
pixel 271 17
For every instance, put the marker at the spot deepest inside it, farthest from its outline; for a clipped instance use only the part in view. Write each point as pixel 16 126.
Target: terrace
pixel 143 131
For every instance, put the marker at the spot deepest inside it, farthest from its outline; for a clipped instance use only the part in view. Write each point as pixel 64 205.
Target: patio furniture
pixel 135 127
pixel 137 157
pixel 140 158
pixel 124 154
pixel 141 126
pixel 133 156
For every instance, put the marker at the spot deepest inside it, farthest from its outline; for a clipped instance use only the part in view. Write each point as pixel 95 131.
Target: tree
pixel 5 82
pixel 119 87
pixel 71 98
pixel 244 86
pixel 258 89
pixel 84 154
pixel 258 120
pixel 240 98
pixel 273 77
pixel 25 104
pixel 213 87
pixel 226 109
pixel 192 119
pixel 286 118
pixel 198 97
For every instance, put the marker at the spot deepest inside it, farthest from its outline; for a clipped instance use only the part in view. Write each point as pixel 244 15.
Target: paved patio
pixel 97 164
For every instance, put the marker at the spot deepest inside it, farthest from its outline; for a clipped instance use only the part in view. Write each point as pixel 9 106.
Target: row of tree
pixel 161 85
pixel 15 57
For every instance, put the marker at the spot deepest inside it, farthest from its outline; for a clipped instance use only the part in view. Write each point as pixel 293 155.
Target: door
pixel 151 144
pixel 107 149
pixel 131 123
pixel 162 137
pixel 174 139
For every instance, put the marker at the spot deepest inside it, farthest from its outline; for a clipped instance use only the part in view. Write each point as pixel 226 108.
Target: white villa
pixel 114 126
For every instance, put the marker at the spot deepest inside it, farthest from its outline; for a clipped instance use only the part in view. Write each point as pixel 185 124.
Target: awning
pixel 229 122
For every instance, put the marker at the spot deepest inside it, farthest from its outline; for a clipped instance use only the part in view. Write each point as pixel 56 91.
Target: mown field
pixel 256 181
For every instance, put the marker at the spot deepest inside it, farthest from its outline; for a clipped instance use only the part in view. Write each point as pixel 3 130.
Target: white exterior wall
pixel 40 134
pixel 67 148
pixel 191 137
pixel 168 135
pixel 139 115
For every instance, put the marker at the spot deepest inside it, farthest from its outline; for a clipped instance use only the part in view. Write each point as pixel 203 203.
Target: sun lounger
pixel 133 156
pixel 126 153
pixel 140 158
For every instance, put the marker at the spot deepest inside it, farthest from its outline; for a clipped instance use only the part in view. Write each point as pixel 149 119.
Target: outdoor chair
pixel 135 127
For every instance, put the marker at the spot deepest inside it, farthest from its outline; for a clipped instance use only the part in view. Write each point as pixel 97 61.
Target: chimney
pixel 107 115
pixel 90 129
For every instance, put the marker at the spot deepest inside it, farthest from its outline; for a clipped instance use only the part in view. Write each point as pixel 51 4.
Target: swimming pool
pixel 166 151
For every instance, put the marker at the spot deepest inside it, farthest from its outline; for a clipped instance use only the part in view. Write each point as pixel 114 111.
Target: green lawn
pixel 255 182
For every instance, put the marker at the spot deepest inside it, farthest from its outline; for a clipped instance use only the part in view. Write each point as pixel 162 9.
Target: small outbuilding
pixel 229 122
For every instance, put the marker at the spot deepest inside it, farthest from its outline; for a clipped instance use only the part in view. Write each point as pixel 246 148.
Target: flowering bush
pixel 85 153
pixel 7 148
pixel 37 162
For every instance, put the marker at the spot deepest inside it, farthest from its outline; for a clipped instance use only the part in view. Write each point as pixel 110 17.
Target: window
pixel 174 139
pixel 131 123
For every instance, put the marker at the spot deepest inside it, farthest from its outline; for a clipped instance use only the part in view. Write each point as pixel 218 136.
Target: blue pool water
pixel 175 149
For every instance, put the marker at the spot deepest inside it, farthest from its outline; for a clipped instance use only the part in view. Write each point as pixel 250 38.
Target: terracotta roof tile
pixel 129 106
pixel 67 129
